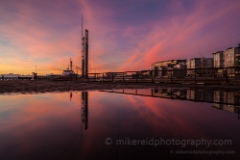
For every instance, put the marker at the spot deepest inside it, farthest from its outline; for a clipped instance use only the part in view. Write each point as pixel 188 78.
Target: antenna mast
pixel 82 25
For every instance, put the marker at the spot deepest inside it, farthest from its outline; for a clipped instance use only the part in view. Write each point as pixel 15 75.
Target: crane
pixel 78 68
pixel 201 54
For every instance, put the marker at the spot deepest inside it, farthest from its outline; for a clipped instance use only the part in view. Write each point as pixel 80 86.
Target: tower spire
pixel 82 25
pixel 70 64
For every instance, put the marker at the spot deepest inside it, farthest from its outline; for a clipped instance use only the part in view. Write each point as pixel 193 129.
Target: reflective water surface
pixel 161 123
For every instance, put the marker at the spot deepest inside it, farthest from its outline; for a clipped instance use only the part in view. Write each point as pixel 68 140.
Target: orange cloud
pixel 46 35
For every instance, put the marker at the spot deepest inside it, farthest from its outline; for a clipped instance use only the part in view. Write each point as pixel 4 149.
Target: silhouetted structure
pixel 70 96
pixel 69 70
pixel 85 109
pixel 85 55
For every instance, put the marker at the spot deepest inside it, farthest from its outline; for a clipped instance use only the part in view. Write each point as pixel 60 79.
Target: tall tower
pixel 70 64
pixel 85 55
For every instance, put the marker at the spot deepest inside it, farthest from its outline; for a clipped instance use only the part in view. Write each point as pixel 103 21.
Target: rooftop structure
pixel 68 70
pixel 168 63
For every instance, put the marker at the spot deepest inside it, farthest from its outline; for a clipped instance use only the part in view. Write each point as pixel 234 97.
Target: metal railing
pixel 199 75
pixel 230 75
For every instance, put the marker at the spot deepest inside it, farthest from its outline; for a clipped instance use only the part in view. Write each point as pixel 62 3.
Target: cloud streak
pixel 124 35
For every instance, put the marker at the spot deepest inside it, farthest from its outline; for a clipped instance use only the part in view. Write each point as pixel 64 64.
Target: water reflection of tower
pixel 70 96
pixel 85 109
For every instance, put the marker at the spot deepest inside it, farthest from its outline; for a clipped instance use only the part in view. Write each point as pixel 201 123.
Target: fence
pixel 230 75
pixel 201 75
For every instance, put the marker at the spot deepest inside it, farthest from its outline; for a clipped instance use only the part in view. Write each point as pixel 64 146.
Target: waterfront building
pixel 169 68
pixel 218 60
pixel 200 67
pixel 178 71
pixel 193 64
pixel 231 61
pixel 218 63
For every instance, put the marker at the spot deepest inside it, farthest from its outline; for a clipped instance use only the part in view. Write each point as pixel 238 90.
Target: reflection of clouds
pixel 168 116
pixel 53 126
pixel 30 124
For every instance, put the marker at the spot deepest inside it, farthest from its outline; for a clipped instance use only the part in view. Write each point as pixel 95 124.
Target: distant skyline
pixel 123 35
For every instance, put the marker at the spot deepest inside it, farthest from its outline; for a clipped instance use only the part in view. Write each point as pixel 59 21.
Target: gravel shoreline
pixel 59 86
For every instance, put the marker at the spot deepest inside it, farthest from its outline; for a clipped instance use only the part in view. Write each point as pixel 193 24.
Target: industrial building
pixel 68 70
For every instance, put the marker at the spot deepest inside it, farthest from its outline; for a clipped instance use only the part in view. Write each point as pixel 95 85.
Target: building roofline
pixel 170 60
pixel 217 52
pixel 202 58
pixel 230 48
pixel 194 58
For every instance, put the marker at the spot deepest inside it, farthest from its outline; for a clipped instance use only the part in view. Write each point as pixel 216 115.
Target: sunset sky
pixel 123 34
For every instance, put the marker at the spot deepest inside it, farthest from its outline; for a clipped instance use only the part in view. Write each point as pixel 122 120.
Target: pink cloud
pixel 49 38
